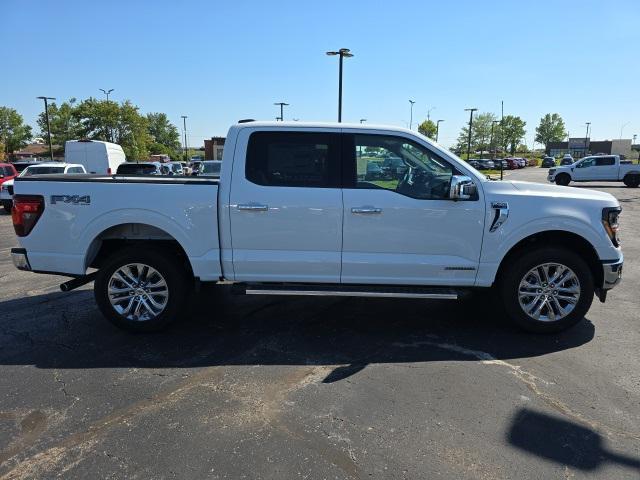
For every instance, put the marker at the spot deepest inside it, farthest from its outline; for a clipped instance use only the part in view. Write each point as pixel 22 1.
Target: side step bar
pixel 342 290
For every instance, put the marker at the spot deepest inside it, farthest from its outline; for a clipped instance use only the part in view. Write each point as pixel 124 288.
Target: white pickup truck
pixel 599 168
pixel 292 214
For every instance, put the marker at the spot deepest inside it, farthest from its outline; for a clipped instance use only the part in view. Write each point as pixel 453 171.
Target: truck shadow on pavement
pixel 65 330
pixel 564 442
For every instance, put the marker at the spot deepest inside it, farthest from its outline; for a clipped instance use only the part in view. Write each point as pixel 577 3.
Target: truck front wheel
pixel 141 289
pixel 632 180
pixel 547 290
pixel 563 179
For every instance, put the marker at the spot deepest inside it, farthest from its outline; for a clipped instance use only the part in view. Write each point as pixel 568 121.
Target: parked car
pixel 603 168
pixel 173 168
pixel 41 168
pixel 374 172
pixel 567 159
pixel 7 172
pixel 475 163
pixel 139 168
pixel 512 163
pixel 394 167
pixel 487 164
pixel 522 162
pixel 548 162
pixel 208 168
pixel 290 217
pixel 95 156
pixel 20 165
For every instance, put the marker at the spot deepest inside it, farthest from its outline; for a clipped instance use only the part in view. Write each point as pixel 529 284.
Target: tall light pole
pixel 586 138
pixel 186 147
pixel 46 114
pixel 106 92
pixel 362 120
pixel 493 124
pixel 282 105
pixel 438 128
pixel 429 112
pixel 343 52
pixel 622 128
pixel 411 118
pixel 470 110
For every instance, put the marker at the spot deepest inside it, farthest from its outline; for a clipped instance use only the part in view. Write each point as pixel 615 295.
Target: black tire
pixel 517 270
pixel 563 179
pixel 171 269
pixel 632 180
pixel 7 205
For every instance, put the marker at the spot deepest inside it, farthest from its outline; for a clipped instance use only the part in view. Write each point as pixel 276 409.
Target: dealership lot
pixel 251 387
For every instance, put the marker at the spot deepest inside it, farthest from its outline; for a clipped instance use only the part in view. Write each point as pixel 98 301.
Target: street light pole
pixel 586 139
pixel 282 105
pixel 362 120
pixel 411 117
pixel 106 92
pixel 46 114
pixel 429 112
pixel 343 52
pixel 622 128
pixel 493 124
pixel 470 110
pixel 438 128
pixel 186 147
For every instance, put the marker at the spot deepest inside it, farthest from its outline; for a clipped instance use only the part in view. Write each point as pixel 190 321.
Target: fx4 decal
pixel 72 199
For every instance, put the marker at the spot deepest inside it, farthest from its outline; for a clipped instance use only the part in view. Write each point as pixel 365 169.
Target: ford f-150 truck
pixel 599 168
pixel 293 213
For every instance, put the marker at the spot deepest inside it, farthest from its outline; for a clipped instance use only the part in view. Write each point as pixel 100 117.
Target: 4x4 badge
pixel 73 199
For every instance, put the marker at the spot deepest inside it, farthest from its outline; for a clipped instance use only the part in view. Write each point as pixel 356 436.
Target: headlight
pixel 610 217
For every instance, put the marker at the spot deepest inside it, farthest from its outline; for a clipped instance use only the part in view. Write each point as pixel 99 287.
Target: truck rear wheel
pixel 547 290
pixel 632 180
pixel 141 289
pixel 563 179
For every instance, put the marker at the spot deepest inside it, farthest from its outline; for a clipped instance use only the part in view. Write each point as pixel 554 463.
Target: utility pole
pixel 438 129
pixel 186 146
pixel 470 110
pixel 493 123
pixel 282 105
pixel 46 114
pixel 429 112
pixel 586 139
pixel 411 117
pixel 343 52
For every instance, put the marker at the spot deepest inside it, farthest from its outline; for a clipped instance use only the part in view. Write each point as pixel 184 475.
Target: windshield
pixel 33 170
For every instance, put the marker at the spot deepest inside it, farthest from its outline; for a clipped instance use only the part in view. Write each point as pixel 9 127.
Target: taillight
pixel 109 171
pixel 25 213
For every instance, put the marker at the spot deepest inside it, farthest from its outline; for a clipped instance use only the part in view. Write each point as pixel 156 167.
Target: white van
pixel 96 156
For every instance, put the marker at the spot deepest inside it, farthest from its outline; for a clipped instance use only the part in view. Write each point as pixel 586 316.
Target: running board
pixel 323 290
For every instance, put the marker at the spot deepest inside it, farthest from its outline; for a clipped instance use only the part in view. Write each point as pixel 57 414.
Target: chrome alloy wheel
pixel 549 292
pixel 138 292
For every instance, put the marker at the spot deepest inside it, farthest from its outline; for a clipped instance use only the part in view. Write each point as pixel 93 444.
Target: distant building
pixel 581 147
pixel 213 148
pixel 38 150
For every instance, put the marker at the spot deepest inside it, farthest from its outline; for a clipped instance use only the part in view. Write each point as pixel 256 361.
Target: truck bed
pixel 81 212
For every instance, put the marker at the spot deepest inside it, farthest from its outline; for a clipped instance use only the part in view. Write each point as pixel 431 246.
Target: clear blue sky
pixel 218 62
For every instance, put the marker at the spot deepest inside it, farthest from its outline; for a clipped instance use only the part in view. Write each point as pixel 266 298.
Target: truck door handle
pixel 253 207
pixel 368 210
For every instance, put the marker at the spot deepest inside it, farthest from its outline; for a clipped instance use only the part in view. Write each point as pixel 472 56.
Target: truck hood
pixel 532 189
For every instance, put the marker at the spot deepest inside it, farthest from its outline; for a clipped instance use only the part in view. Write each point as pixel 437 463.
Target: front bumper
pixel 611 274
pixel 19 258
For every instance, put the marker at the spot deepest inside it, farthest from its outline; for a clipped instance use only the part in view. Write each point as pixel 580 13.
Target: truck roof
pixel 289 125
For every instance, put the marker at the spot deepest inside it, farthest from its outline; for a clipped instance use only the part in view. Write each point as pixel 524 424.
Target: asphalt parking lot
pixel 250 387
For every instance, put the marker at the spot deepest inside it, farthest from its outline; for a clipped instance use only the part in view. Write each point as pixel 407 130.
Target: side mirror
pixel 462 188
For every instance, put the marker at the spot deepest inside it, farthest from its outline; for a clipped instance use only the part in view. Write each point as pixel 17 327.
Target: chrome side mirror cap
pixel 462 188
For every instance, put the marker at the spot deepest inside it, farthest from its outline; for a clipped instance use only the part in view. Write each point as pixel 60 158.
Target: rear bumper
pixel 612 273
pixel 19 258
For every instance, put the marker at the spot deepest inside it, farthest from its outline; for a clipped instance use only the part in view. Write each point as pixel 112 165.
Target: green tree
pixel 551 129
pixel 165 138
pixel 480 133
pixel 510 133
pixel 118 123
pixel 64 124
pixel 14 134
pixel 428 128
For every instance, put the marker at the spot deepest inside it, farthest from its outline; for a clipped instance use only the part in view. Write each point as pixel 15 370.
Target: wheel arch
pixel 560 238
pixel 123 235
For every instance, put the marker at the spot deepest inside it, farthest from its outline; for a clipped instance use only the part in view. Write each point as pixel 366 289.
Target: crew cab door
pixel 400 226
pixel 285 206
pixel 586 170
